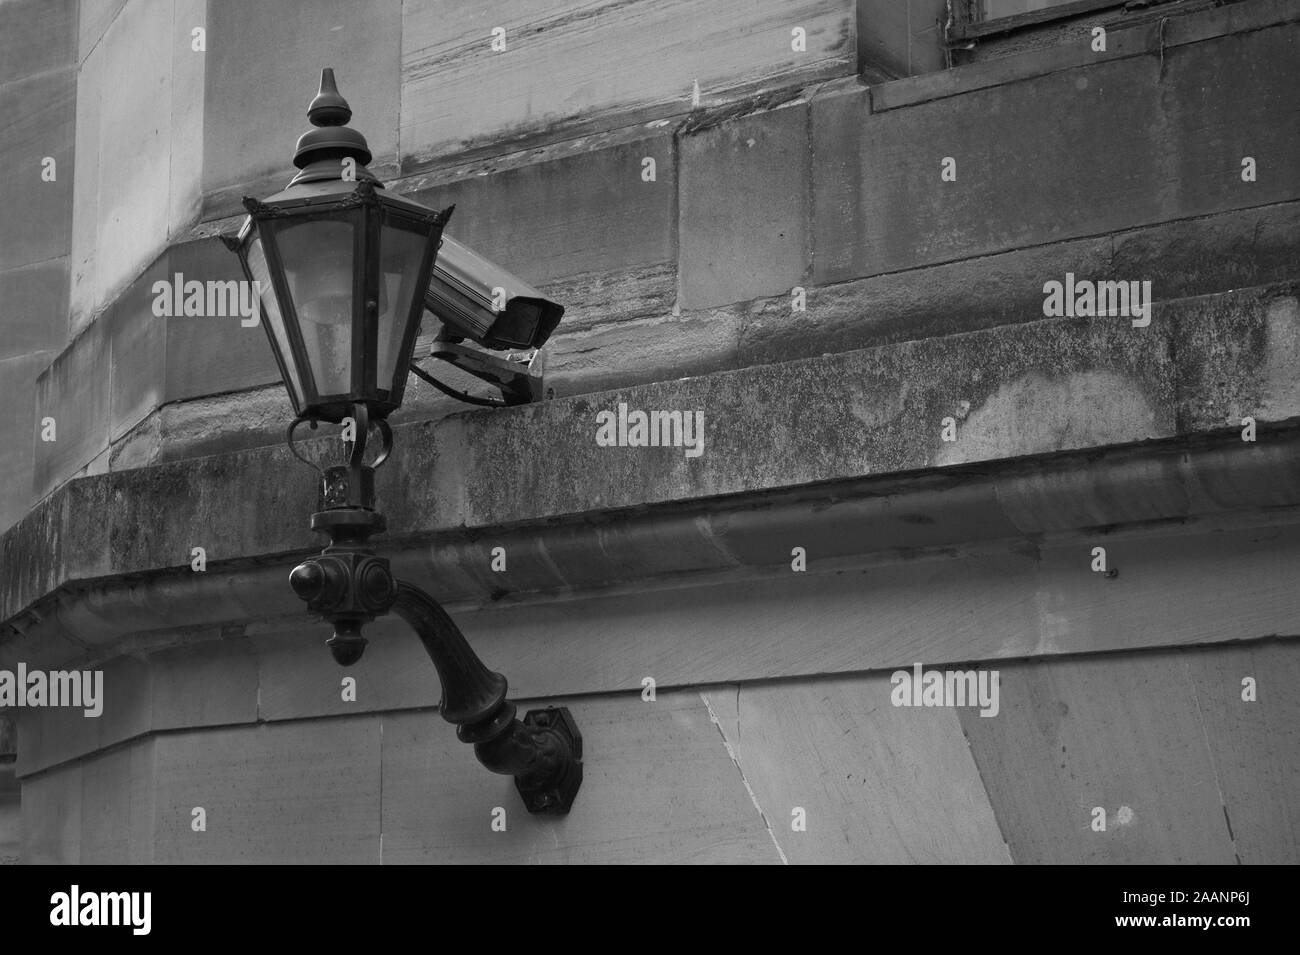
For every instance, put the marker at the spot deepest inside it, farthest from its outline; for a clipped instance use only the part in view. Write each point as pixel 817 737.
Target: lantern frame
pixel 379 215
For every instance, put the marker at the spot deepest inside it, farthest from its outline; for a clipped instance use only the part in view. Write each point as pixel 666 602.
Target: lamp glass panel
pixel 271 315
pixel 401 253
pixel 318 255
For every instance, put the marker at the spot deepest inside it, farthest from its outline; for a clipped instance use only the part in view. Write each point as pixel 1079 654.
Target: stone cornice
pixel 844 523
pixel 797 435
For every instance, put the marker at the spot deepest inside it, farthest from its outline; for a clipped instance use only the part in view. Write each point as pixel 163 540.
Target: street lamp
pixel 342 270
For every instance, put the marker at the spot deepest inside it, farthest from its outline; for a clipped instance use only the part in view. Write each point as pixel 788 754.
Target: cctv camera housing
pixel 463 294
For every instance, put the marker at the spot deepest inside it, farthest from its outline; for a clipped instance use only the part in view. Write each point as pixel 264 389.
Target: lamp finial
pixel 329 108
pixel 332 140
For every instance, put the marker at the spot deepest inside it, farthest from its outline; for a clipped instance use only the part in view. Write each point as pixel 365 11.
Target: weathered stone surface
pixel 622 332
pixel 74 391
pixel 660 348
pixel 740 250
pixel 317 788
pixel 51 817
pixel 657 786
pixel 190 125
pixel 693 561
pixel 212 354
pixel 137 343
pixel 135 143
pixel 140 133
pixel 617 271
pixel 599 298
pixel 571 69
pixel 1255 747
pixel 34 308
pixel 602 346
pixel 578 208
pixel 876 783
pixel 1026 176
pixel 94 19
pixel 1237 249
pixel 1123 734
pixel 39 114
pixel 117 812
pixel 1221 335
pixel 83 296
pixel 874 411
pixel 18 432
pixel 1160 741
pixel 902 38
pixel 1029 389
pixel 55 735
pixel 36 36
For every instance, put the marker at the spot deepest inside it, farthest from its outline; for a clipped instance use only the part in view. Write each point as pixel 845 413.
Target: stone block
pixel 39 114
pixel 575 211
pixel 1174 137
pixel 135 144
pixel 286 793
pixel 876 783
pixel 1119 733
pixel 117 806
pixel 75 392
pixel 51 817
pixel 34 308
pixel 138 344
pixel 745 204
pixel 1256 751
pixel 204 684
pixel 19 432
pixel 36 36
pixel 83 298
pixel 94 19
pixel 212 354
pixel 191 127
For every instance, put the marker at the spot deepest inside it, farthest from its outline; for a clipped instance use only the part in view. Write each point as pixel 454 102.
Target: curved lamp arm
pixel 543 752
pixel 349 585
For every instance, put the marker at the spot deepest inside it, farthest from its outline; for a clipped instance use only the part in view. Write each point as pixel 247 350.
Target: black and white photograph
pixel 650 432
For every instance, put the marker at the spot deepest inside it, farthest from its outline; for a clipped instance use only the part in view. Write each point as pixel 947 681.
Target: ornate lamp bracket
pixel 349 585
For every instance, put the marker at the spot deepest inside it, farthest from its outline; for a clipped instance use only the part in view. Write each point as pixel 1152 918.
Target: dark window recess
pixel 973 19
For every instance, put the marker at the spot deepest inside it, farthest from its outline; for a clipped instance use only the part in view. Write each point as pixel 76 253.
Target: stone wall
pixel 662 278
pixel 38 98
pixel 777 172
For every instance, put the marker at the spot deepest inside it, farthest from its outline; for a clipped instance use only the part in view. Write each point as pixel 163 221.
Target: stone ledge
pixel 1032 389
pixel 1027 504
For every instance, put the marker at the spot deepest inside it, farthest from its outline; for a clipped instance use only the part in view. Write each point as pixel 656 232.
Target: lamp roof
pixel 321 151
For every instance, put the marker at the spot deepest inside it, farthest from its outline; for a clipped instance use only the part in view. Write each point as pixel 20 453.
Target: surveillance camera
pixel 479 300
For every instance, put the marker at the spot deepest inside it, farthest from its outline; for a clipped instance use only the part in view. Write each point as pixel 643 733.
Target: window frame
pixel 966 28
